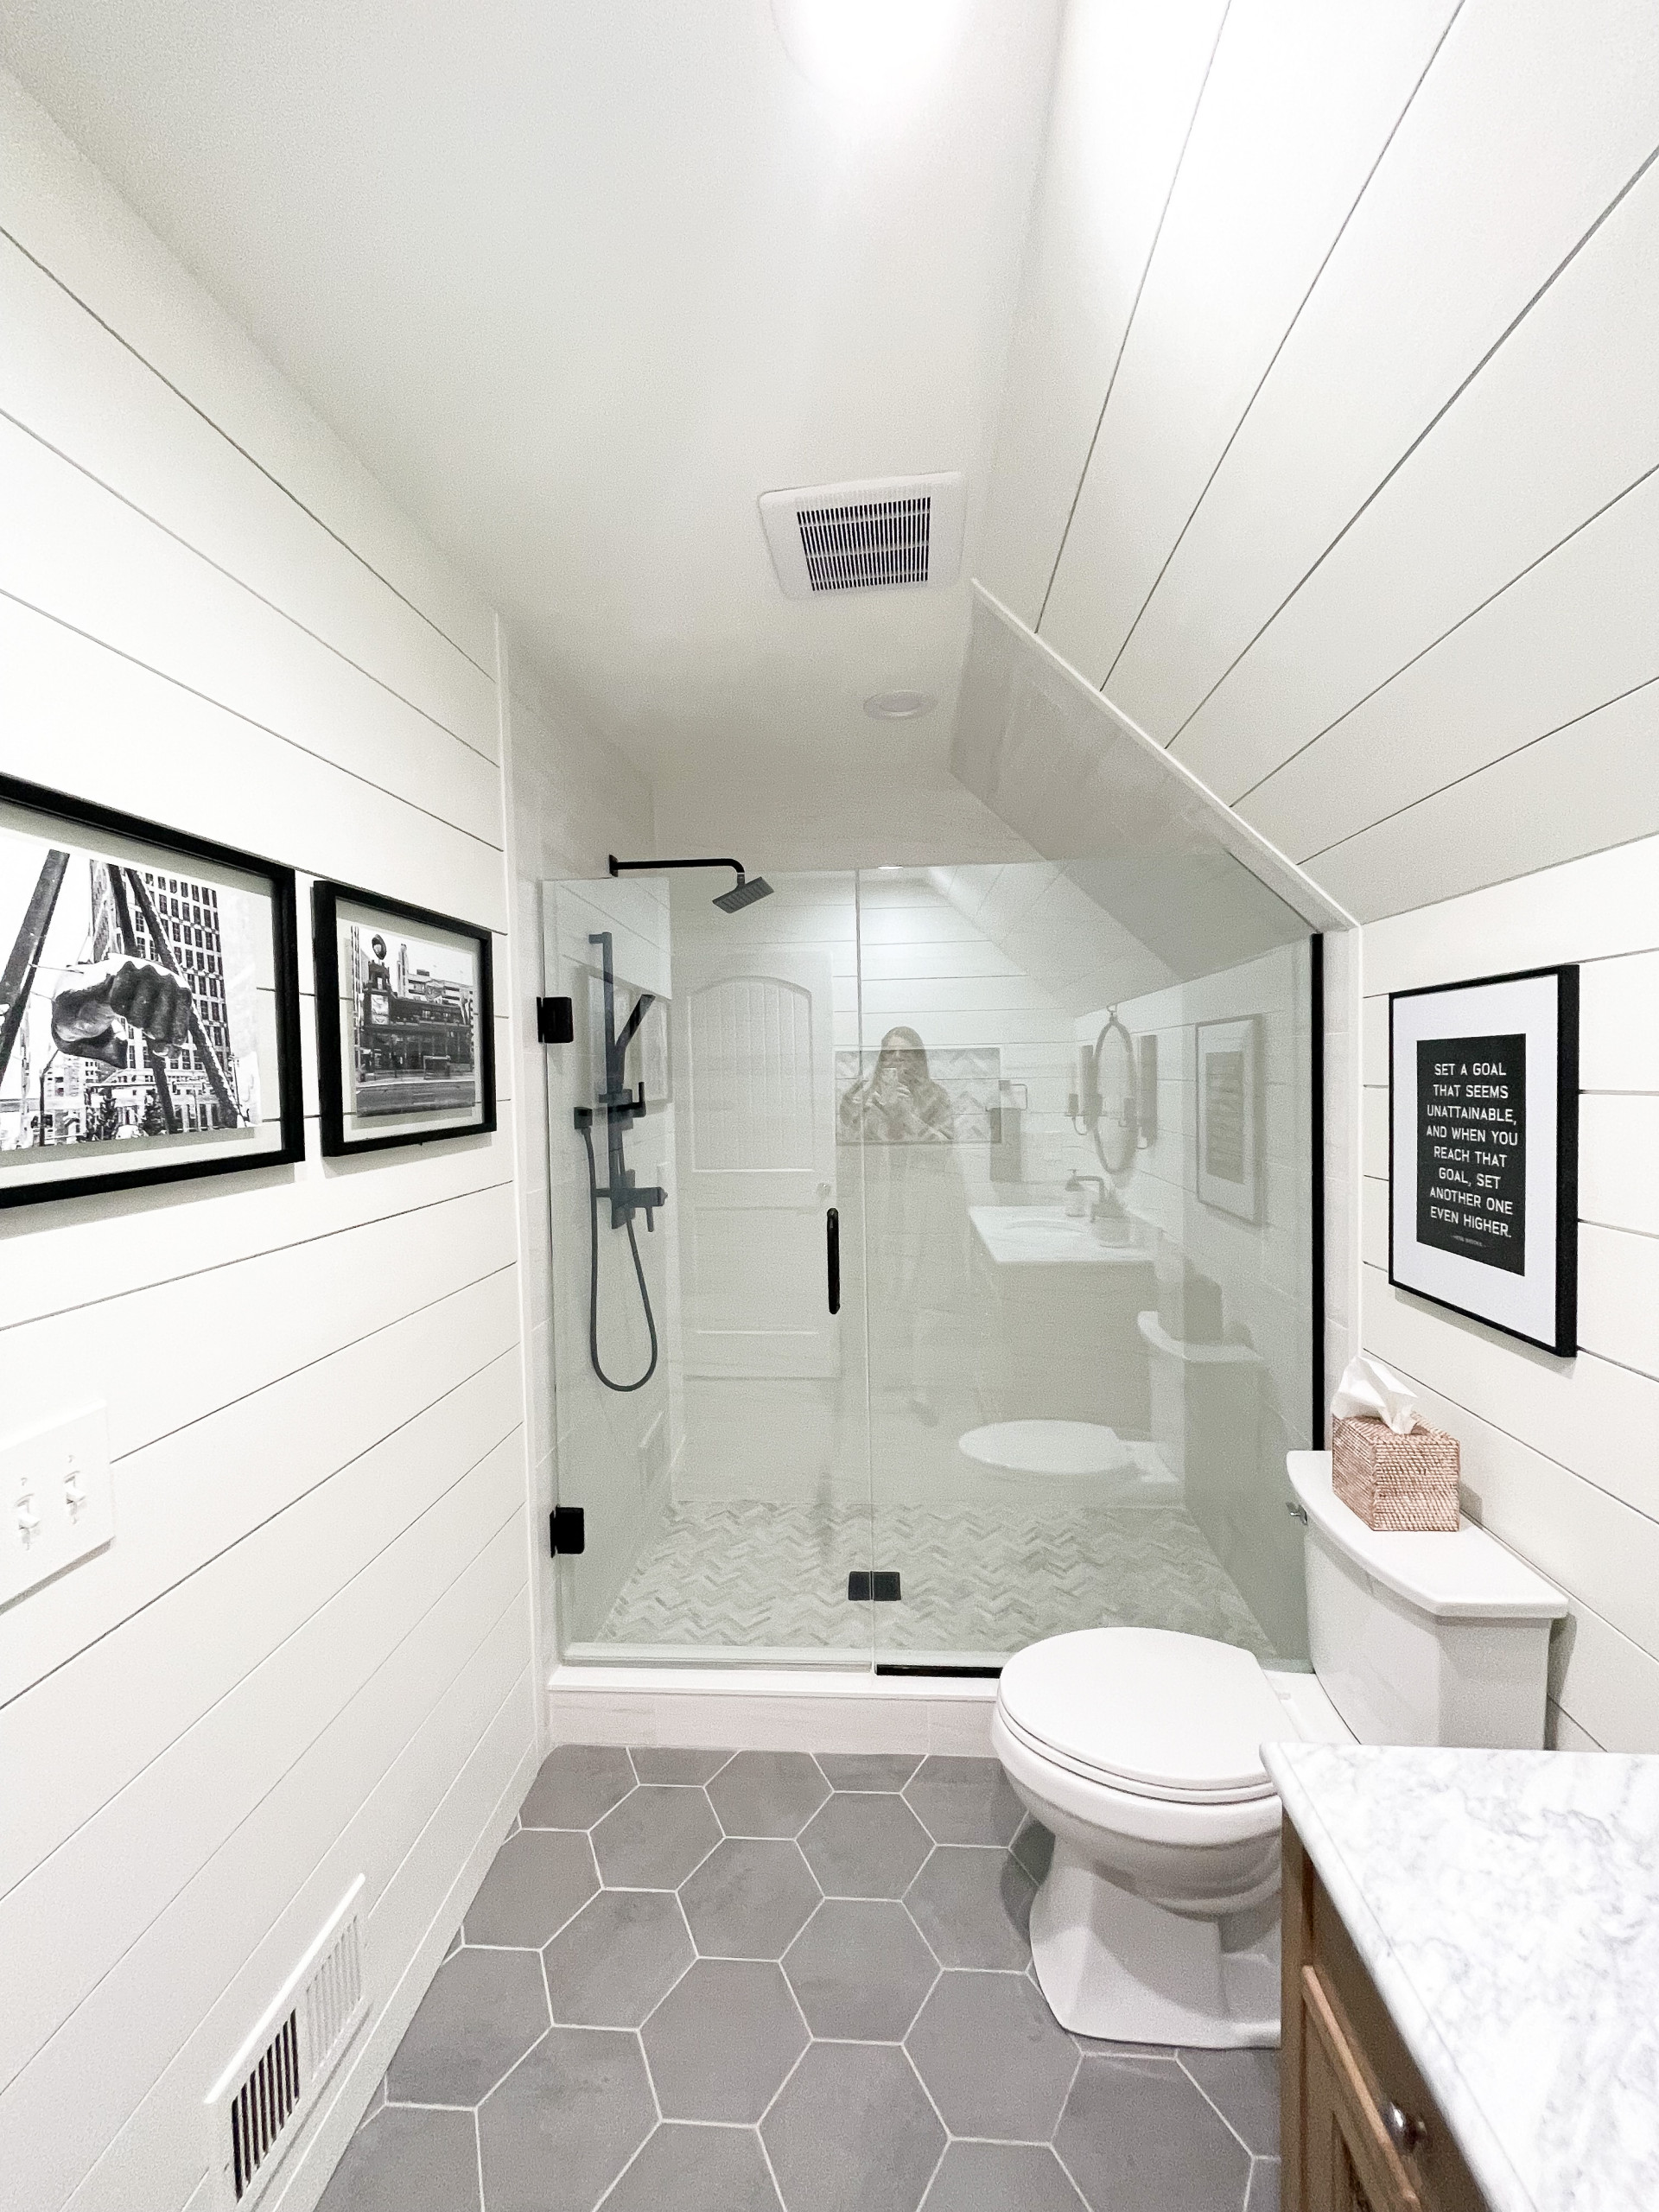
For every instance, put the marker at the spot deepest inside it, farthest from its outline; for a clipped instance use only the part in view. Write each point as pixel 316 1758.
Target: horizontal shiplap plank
pixel 84 1907
pixel 1563 1733
pixel 1619 1160
pixel 58 2116
pixel 56 205
pixel 1532 119
pixel 122 1702
pixel 174 1509
pixel 76 552
pixel 79 715
pixel 1299 104
pixel 1588 1414
pixel 265 1317
pixel 76 387
pixel 1593 785
pixel 1557 426
pixel 1564 641
pixel 1606 1684
pixel 1618 1037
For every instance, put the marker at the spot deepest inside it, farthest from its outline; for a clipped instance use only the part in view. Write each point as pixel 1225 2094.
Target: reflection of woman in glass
pixel 917 1211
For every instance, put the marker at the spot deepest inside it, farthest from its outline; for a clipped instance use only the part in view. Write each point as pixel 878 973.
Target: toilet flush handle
pixel 1296 1510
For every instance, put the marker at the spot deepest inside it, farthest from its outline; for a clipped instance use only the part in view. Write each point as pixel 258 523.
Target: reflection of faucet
pixel 1099 1205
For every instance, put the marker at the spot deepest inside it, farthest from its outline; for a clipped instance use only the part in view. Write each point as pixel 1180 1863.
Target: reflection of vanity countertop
pixel 1025 1236
pixel 1506 1905
pixel 1196 1354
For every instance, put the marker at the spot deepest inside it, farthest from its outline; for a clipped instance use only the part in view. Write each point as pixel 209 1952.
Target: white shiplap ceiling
pixel 579 283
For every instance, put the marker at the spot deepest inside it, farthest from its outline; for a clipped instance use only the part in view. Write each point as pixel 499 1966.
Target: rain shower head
pixel 743 892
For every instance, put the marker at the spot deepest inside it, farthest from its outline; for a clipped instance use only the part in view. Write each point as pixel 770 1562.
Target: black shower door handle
pixel 832 1255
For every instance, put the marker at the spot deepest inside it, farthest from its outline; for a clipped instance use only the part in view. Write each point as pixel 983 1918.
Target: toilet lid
pixel 1148 1710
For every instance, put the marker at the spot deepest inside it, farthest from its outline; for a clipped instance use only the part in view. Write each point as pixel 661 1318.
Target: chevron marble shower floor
pixel 979 1582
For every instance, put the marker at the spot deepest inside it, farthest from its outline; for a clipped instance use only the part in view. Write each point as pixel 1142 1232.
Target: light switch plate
pixel 56 1499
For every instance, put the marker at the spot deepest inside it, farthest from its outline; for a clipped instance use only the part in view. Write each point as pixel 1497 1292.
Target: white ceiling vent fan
pixel 870 536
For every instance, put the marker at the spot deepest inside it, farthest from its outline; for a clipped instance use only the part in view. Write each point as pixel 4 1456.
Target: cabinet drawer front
pixel 1352 2162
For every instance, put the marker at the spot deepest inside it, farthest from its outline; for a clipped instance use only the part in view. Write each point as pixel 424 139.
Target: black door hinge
pixel 567 1531
pixel 555 1021
pixel 882 1586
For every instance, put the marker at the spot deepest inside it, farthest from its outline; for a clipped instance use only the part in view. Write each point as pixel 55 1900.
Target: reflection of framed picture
pixel 148 1009
pixel 1484 1150
pixel 405 1023
pixel 1230 1116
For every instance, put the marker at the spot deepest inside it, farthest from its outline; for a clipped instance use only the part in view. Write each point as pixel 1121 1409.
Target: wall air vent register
pixel 888 532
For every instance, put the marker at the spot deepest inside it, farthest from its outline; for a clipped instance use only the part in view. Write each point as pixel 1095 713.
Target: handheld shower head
pixel 743 892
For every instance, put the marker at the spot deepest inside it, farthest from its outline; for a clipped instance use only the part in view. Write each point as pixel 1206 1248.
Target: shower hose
pixel 593 1280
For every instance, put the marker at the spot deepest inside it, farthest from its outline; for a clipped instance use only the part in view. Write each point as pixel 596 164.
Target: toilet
pixel 1139 1749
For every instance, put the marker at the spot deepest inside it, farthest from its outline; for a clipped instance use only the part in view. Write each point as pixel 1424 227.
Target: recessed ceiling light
pixel 874 52
pixel 899 706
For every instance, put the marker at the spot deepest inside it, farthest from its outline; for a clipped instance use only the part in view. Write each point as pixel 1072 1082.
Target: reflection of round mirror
pixel 1117 1130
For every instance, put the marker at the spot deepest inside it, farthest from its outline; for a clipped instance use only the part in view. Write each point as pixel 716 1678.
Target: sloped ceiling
pixel 1329 441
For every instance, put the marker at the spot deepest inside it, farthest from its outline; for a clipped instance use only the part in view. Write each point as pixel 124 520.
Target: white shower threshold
pixel 772 1709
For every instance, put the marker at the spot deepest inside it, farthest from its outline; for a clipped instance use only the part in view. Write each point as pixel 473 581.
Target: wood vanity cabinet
pixel 1361 2131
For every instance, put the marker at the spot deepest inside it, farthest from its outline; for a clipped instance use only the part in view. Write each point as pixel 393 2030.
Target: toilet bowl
pixel 1139 1749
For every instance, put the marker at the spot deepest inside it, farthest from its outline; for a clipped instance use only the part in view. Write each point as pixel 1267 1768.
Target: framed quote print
pixel 405 1023
pixel 1484 1150
pixel 148 1003
pixel 1230 1115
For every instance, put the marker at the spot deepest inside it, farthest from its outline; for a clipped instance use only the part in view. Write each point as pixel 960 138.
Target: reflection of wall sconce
pixel 1146 1071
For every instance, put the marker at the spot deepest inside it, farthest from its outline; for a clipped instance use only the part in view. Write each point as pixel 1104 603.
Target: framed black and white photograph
pixel 1229 1077
pixel 148 1003
pixel 405 1023
pixel 1484 1150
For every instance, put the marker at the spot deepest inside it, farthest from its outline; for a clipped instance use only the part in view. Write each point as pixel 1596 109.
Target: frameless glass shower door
pixel 723 1477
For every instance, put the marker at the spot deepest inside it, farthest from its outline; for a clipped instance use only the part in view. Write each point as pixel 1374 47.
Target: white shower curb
pixel 772 1709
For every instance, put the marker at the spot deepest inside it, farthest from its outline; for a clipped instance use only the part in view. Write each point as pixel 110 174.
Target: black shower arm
pixel 658 867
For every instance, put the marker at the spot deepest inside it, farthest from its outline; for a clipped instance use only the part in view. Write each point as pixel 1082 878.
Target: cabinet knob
pixel 1405 2130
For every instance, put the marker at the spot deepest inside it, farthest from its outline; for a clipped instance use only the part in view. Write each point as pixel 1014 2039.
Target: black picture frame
pixel 1557 1280
pixel 338 1143
pixel 197 856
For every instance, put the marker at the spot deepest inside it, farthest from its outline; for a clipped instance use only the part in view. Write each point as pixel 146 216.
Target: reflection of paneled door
pixel 756 1123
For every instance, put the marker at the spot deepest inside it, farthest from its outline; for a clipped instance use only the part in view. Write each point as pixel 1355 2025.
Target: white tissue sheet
pixel 1368 1389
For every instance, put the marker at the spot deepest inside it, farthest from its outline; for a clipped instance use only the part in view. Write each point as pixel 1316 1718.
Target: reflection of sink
pixel 1043 1236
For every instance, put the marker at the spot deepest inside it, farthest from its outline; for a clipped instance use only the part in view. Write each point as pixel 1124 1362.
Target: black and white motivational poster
pixel 1483 1155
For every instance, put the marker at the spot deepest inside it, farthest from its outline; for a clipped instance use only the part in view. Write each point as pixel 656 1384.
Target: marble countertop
pixel 1507 1905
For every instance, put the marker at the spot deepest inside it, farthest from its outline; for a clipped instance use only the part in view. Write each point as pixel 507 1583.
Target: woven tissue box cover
pixel 1395 1482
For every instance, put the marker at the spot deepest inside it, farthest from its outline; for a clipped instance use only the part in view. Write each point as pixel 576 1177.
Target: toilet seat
pixel 1149 1712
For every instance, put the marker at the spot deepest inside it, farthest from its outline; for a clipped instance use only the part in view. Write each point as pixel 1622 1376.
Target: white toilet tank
pixel 1423 1639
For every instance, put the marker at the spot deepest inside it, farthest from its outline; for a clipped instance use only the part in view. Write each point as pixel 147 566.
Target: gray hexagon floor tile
pixel 869 1769
pixel 768 1793
pixel 964 1800
pixel 484 2010
pixel 1001 2178
pixel 723 2040
pixel 619 1958
pixel 994 2060
pixel 1244 2085
pixel 696 2170
pixel 853 2132
pixel 974 1906
pixel 749 1899
pixel 560 2129
pixel 864 1847
pixel 652 1839
pixel 538 1880
pixel 859 1969
pixel 401 2161
pixel 1033 1847
pixel 1137 2136
pixel 1264 2186
pixel 670 1763
pixel 577 1785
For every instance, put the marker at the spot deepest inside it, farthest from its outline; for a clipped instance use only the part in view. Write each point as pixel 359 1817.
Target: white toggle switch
pixel 58 1480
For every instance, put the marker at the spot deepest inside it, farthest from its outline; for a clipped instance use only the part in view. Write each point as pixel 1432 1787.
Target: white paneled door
pixel 753 1048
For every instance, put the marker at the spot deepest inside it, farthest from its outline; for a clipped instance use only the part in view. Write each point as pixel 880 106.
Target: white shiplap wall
pixel 308 1653
pixel 1329 440
pixel 1559 1456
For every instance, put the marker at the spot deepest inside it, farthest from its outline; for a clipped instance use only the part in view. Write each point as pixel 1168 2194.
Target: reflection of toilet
pixel 1158 1921
pixel 1204 1402
pixel 1075 1460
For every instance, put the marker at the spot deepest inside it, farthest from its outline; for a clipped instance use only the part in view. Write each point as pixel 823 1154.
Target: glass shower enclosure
pixel 948 1282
